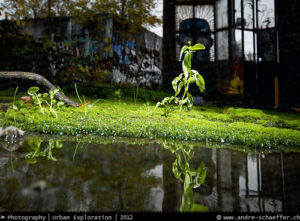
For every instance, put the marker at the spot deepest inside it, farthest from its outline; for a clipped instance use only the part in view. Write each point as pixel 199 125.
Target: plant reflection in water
pixel 140 175
pixel 190 177
pixel 38 148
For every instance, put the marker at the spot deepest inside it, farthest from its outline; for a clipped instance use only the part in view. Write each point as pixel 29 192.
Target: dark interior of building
pixel 252 48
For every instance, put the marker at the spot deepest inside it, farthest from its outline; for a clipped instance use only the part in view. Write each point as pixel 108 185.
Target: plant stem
pixel 14 104
pixel 74 154
pixel 95 102
pixel 170 111
pixel 39 103
pixel 179 105
pixel 77 94
pixel 185 91
pixel 84 104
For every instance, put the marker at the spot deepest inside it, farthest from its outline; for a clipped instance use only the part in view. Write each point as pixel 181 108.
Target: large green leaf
pixel 185 71
pixel 14 107
pixel 56 91
pixel 192 80
pixel 183 49
pixel 180 163
pixel 175 170
pixel 187 60
pixel 175 82
pixel 32 90
pixel 184 101
pixel 166 100
pixel 176 100
pixel 199 81
pixel 200 176
pixel 190 100
pixel 194 73
pixel 158 104
pixel 31 160
pixel 59 144
pixel 197 47
pixel 203 173
pixel 60 104
pixel 34 143
pixel 179 88
pixel 187 181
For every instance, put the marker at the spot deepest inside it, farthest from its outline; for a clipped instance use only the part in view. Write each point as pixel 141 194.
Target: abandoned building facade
pixel 252 47
pixel 96 52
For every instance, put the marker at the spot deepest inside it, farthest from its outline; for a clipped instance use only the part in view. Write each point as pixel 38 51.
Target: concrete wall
pixel 139 60
pixel 101 50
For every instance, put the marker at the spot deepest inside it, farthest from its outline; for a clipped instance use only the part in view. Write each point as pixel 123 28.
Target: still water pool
pixel 56 174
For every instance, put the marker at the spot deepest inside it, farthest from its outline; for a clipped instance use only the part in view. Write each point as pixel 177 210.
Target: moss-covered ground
pixel 135 116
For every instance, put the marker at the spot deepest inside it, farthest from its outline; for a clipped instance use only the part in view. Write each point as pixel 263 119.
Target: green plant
pixel 75 151
pixel 17 105
pixel 181 167
pixel 78 94
pixel 52 101
pixel 191 178
pixel 14 105
pixel 37 98
pixel 35 149
pixel 47 98
pixel 205 123
pixel 118 95
pixel 84 103
pixel 183 81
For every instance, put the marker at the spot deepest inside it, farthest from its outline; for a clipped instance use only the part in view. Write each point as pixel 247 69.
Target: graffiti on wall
pixel 137 63
pixel 93 54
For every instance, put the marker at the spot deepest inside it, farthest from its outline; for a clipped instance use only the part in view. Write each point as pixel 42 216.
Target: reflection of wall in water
pixel 250 182
pixel 95 176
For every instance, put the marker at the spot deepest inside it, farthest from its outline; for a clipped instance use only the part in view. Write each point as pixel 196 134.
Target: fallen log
pixel 40 80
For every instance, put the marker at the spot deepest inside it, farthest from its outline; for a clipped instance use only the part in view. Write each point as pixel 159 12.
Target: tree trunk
pixel 40 80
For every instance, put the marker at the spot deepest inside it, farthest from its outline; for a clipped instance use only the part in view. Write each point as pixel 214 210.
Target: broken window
pixel 266 14
pixel 221 14
pixel 222 45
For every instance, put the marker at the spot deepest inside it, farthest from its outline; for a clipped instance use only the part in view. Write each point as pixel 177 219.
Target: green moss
pixel 264 118
pixel 124 118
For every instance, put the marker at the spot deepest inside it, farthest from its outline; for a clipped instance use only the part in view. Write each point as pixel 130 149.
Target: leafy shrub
pixel 186 78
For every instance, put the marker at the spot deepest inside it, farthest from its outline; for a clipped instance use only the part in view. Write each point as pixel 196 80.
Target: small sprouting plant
pixel 14 105
pixel 17 106
pixel 84 103
pixel 52 101
pixel 36 149
pixel 118 95
pixel 47 98
pixel 37 98
pixel 183 81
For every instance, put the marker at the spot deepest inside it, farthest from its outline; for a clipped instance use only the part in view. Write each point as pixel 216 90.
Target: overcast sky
pixel 159 13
